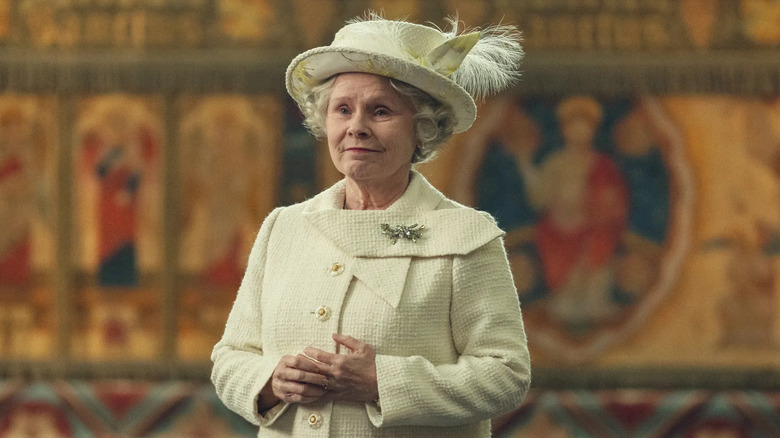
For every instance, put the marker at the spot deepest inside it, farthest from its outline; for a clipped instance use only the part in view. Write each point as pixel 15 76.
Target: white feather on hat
pixel 453 68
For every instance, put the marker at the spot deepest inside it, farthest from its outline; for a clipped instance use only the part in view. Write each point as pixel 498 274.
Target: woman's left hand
pixel 352 376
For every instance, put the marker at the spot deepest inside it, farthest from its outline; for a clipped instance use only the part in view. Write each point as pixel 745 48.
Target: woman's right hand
pixel 295 380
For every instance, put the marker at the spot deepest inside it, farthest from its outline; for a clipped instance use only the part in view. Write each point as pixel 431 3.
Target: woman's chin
pixel 375 173
pixel 361 170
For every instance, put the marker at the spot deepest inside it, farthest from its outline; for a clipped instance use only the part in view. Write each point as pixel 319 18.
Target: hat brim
pixel 314 66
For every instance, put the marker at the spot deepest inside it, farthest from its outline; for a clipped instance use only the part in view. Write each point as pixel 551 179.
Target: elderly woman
pixel 380 308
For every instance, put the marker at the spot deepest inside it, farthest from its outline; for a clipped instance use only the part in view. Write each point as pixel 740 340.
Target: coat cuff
pixel 271 415
pixel 391 387
pixel 374 412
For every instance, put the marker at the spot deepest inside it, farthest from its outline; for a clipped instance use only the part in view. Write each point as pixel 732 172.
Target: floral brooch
pixel 411 232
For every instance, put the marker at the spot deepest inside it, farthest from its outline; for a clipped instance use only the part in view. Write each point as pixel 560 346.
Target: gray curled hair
pixel 433 121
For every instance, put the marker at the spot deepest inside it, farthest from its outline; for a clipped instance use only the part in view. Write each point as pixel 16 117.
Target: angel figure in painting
pixel 223 137
pixel 117 150
pixel 21 192
pixel 23 213
pixel 116 166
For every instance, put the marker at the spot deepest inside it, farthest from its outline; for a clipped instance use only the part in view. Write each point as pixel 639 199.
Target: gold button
pixel 315 420
pixel 336 269
pixel 323 313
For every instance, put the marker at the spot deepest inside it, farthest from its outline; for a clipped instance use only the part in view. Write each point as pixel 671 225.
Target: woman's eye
pixel 382 112
pixel 343 110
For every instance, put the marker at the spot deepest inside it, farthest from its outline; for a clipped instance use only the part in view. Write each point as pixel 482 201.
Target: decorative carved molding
pixel 653 46
pixel 587 25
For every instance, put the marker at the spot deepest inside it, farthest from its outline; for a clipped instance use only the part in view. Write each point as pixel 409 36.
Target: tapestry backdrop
pixel 641 230
pixel 635 169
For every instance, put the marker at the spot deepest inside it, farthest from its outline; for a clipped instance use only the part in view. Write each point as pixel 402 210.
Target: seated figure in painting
pixel 582 199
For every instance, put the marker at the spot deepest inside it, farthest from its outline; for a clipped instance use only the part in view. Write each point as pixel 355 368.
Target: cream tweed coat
pixel 442 314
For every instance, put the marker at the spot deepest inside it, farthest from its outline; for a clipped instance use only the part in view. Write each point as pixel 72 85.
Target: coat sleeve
pixel 240 369
pixel 492 374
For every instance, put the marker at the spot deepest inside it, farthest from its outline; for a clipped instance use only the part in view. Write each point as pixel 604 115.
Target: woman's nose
pixel 358 127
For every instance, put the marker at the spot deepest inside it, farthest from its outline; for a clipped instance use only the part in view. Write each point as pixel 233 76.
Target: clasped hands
pixel 318 375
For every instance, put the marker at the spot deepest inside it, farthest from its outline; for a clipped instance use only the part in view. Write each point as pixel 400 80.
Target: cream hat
pixel 454 69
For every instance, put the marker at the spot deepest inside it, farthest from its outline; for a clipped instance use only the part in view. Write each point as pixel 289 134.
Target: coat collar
pixel 450 228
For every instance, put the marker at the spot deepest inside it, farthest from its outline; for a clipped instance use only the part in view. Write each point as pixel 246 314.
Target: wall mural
pixel 27 154
pixel 662 248
pixel 749 241
pixel 596 199
pixel 227 150
pixel 225 143
pixel 619 212
pixel 729 288
pixel 117 165
pixel 640 201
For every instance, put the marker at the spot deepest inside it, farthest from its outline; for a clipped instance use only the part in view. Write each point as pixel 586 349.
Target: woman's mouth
pixel 360 149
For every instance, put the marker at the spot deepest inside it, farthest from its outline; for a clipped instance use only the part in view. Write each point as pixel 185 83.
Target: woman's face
pixel 370 129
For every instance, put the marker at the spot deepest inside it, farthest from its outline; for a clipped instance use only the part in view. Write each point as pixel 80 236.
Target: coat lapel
pixel 385 276
pixel 450 229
